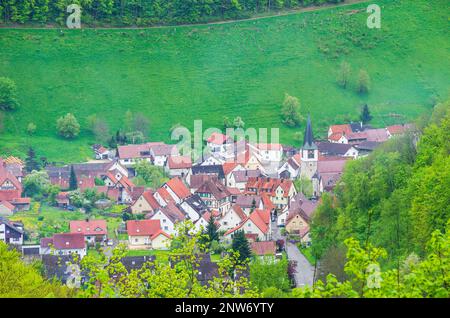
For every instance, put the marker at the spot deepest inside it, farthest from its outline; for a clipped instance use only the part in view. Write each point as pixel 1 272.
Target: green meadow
pixel 175 75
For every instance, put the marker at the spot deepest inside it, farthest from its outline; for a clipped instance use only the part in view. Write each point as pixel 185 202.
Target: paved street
pixel 305 271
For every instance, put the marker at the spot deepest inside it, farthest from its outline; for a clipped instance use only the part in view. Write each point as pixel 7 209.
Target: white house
pixel 64 244
pixel 11 233
pixel 232 218
pixel 168 216
pixel 257 226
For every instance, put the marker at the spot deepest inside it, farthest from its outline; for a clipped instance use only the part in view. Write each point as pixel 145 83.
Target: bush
pixel 8 92
pixel 31 129
pixel 68 126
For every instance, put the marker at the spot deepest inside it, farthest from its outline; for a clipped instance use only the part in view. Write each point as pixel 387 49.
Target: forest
pixel 393 199
pixel 142 13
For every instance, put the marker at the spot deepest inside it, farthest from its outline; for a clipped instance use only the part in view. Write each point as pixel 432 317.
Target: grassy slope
pixel 178 74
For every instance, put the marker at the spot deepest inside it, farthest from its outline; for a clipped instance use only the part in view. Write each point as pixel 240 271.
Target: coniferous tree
pixel 365 116
pixel 240 244
pixel 73 183
pixel 211 230
pixel 30 162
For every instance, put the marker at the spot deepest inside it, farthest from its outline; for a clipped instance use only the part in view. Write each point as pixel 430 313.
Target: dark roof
pixel 243 175
pixel 211 169
pixel 357 127
pixel 197 204
pixel 368 145
pixel 308 139
pixel 246 201
pixel 332 148
pixel 217 189
pixel 57 266
pixel 11 225
pixel 136 262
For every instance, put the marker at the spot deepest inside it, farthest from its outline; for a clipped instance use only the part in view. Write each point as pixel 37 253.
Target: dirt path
pixel 279 14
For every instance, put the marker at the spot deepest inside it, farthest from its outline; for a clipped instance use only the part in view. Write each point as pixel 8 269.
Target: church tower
pixel 309 153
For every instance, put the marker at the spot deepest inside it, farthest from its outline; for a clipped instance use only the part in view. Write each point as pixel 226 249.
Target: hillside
pixel 179 74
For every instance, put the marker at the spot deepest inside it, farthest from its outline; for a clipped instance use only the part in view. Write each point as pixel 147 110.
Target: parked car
pixel 110 243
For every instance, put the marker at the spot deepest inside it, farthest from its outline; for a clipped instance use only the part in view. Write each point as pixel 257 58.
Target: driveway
pixel 305 271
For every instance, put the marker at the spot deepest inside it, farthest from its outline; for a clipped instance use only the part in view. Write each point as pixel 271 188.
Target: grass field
pixel 179 74
pixel 52 220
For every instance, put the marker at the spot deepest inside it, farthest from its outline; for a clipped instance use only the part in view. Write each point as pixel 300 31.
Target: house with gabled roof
pixel 300 205
pixel 93 230
pixel 10 192
pixel 280 191
pixel 129 155
pixel 6 208
pixel 329 172
pixel 337 149
pixel 239 178
pixel 178 166
pixel 215 195
pixel 209 170
pixel 147 234
pixel 168 215
pixel 249 202
pixel 11 232
pixel 160 153
pixel 145 204
pixel 257 224
pixel 163 196
pixel 291 168
pixel 232 218
pixel 64 244
pixel 194 207
pixel 177 189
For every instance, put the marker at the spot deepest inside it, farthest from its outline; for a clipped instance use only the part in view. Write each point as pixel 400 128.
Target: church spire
pixel 308 139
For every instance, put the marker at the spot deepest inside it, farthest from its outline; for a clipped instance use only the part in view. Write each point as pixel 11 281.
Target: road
pixel 305 271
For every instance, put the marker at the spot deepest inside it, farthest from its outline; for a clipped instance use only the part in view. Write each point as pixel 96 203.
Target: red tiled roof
pixel 335 136
pixel 91 227
pixel 136 151
pixel 234 191
pixel 160 232
pixel 268 205
pixel 7 205
pixel 21 201
pixel 238 210
pixel 341 129
pixel 398 129
pixel 65 241
pixel 217 138
pixel 264 248
pixel 267 185
pixel 178 187
pixel 179 162
pixel 5 175
pixel 228 167
pixel 148 196
pixel 261 218
pixel 86 183
pixel 298 158
pixel 165 195
pixel 143 227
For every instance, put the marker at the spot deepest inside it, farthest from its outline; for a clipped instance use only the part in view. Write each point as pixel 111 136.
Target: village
pixel 237 191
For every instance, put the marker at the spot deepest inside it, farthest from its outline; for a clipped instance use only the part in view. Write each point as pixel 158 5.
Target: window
pixel 310 154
